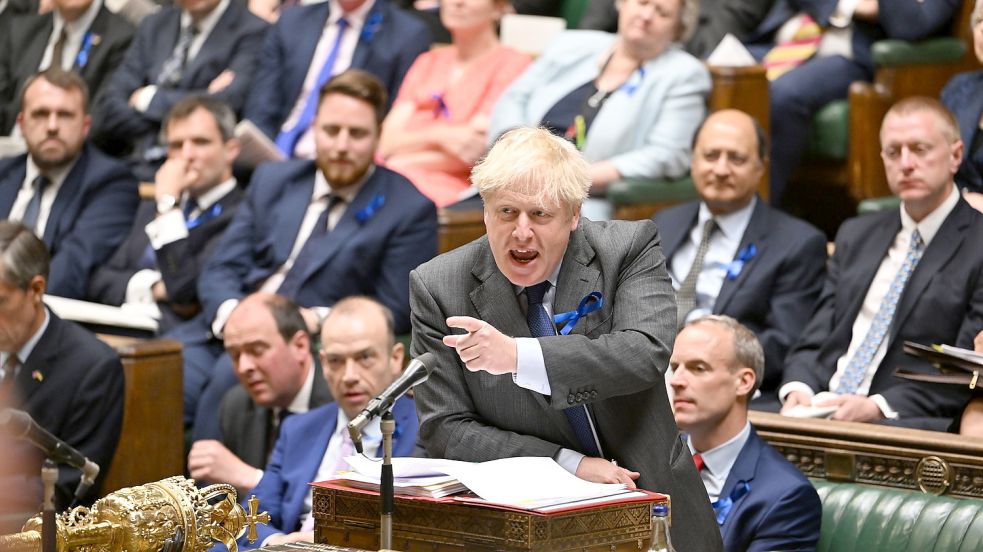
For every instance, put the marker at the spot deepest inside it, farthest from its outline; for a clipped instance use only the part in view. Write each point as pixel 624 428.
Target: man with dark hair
pixel 758 265
pixel 315 232
pixel 310 44
pixel 81 36
pixel 79 201
pixel 360 358
pixel 67 380
pixel 194 47
pixel 157 267
pixel 911 274
pixel 717 363
pixel 267 341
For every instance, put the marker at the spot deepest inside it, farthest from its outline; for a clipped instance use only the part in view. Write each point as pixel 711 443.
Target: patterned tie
pixel 170 72
pixel 540 325
pixel 307 255
pixel 686 296
pixel 33 210
pixel 698 460
pixel 287 140
pixel 856 369
pixel 791 53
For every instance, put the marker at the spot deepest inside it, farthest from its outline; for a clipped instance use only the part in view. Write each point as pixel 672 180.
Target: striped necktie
pixel 788 55
pixel 686 296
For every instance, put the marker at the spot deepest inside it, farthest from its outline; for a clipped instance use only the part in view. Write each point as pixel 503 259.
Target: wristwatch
pixel 165 203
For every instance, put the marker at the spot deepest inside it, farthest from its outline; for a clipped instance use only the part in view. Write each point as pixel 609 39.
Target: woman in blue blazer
pixel 963 95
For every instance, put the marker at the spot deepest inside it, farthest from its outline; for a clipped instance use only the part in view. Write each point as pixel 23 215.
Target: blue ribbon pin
pixel 371 26
pixel 369 210
pixel 82 59
pixel 737 265
pixel 631 85
pixel 212 212
pixel 587 305
pixel 723 506
pixel 440 108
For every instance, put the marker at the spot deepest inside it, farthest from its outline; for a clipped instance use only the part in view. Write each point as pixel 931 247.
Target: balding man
pixel 758 265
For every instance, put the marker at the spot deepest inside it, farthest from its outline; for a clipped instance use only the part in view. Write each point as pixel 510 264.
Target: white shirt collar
pixel 355 18
pixel 57 177
pixel 929 226
pixel 80 25
pixel 732 224
pixel 207 23
pixel 211 197
pixel 720 459
pixel 302 400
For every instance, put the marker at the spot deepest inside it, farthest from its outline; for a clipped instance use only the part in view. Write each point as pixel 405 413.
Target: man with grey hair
pixel 157 267
pixel 589 394
pixel 67 380
pixel 717 364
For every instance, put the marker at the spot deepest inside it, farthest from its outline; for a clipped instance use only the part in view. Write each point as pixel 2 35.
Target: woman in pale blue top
pixel 630 101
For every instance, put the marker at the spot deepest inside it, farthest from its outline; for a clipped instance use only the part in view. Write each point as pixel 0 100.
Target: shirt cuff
pixel 530 371
pixel 256 479
pixel 139 290
pixel 569 460
pixel 144 98
pixel 222 316
pixel 794 386
pixel 886 409
pixel 167 228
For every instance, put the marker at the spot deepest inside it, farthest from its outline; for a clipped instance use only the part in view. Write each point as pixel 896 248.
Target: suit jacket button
pixel 593 394
pixel 570 398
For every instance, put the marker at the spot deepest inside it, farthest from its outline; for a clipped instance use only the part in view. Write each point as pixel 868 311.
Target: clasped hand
pixel 483 347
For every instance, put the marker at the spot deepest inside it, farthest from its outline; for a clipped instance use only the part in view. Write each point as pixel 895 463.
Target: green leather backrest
pixel 829 136
pixel 572 11
pixel 873 519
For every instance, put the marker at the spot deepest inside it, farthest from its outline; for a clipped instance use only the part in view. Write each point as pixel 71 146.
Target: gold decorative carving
pixel 171 514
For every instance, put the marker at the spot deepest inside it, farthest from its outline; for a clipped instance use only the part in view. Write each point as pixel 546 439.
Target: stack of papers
pixel 528 483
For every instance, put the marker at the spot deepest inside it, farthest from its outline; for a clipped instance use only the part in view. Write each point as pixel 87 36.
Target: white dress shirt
pixel 346 51
pixel 721 251
pixel 55 177
pixel 928 227
pixel 74 34
pixel 718 461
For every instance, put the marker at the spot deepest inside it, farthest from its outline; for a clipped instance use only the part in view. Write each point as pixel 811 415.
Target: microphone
pixel 20 424
pixel 417 372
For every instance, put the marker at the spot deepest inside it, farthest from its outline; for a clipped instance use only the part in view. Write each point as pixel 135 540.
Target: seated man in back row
pixel 908 274
pixel 716 365
pixel 360 358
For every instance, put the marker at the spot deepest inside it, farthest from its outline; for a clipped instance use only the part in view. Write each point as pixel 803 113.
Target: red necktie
pixel 698 460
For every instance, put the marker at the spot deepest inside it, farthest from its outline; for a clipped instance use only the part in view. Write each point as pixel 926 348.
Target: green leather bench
pixel 864 518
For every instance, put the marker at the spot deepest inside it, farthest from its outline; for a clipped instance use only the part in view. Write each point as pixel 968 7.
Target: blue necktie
pixel 287 140
pixel 33 210
pixel 540 325
pixel 308 253
pixel 856 368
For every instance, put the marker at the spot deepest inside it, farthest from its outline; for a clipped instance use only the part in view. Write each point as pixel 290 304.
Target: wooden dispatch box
pixel 350 517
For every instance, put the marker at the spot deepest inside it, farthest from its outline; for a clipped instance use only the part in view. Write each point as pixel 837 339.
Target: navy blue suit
pixel 387 52
pixel 90 217
pixel 297 456
pixel 963 95
pixel 781 511
pixel 797 95
pixel 233 44
pixel 941 303
pixel 371 257
pixel 179 262
pixel 775 292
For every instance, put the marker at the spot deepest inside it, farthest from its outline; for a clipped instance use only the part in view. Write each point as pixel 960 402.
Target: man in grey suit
pixel 593 398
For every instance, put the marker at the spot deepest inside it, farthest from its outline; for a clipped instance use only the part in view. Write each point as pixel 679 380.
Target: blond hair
pixel 948 124
pixel 533 162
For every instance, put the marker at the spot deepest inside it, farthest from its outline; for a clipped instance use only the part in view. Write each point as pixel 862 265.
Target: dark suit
pixel 22 48
pixel 232 44
pixel 797 95
pixel 90 217
pixel 246 425
pixel 179 262
pixel 941 303
pixel 613 362
pixel 963 95
pixel 372 258
pixel 716 19
pixel 72 385
pixel 775 292
pixel 289 48
pixel 297 456
pixel 781 511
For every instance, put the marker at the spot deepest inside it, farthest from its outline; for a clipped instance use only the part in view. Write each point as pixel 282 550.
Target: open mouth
pixel 523 256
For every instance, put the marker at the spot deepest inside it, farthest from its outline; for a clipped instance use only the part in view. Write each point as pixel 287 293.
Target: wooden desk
pixel 151 443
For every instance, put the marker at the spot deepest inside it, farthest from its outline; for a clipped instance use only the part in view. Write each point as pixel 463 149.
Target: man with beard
pixel 80 202
pixel 314 231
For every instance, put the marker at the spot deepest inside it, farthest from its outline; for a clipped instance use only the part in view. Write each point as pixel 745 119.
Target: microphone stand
pixel 49 527
pixel 386 490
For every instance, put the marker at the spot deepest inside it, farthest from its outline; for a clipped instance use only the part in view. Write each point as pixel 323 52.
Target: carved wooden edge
pixel 140 347
pixel 932 462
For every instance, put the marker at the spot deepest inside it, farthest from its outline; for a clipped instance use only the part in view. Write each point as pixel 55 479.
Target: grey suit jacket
pixel 613 362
